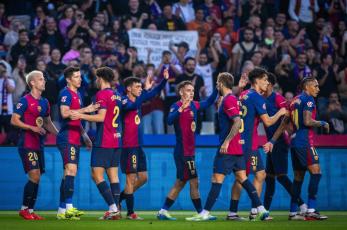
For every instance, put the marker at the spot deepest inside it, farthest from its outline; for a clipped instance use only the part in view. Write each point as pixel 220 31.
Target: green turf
pixel 11 220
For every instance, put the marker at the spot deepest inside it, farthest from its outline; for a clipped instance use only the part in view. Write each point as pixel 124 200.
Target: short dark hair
pixel 105 73
pixel 166 52
pixel 324 56
pixel 23 30
pixel 183 84
pixel 131 80
pixel 256 73
pixel 69 71
pixel 271 78
pixel 305 81
pixel 227 79
pixel 188 59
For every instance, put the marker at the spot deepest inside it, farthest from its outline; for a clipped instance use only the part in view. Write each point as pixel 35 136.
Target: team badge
pixel 316 158
pixel 310 104
pixel 124 101
pixel 19 105
pixel 193 126
pixel 264 106
pixel 72 158
pixel 137 119
pixel 63 99
pixel 39 108
pixel 39 122
pixel 33 163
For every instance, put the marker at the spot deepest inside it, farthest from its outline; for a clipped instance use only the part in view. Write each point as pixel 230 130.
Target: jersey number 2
pixel 115 116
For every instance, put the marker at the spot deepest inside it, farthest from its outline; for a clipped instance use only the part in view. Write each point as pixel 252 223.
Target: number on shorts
pixel 116 114
pixel 72 150
pixel 33 156
pixel 133 159
pixel 191 165
pixel 254 161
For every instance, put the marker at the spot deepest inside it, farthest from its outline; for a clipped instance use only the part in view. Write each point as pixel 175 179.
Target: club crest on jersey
pixel 193 126
pixel 264 106
pixel 39 122
pixel 19 105
pixel 33 163
pixel 310 104
pixel 39 108
pixel 316 158
pixel 137 119
pixel 63 99
pixel 124 101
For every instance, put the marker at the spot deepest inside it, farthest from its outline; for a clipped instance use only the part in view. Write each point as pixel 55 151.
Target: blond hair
pixel 29 76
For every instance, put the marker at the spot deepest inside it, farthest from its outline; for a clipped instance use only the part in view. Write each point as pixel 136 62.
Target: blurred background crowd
pixel 290 38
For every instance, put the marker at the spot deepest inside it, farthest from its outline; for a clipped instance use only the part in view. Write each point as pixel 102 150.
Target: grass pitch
pixel 11 220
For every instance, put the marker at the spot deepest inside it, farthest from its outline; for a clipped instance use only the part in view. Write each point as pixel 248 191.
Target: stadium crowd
pixel 290 38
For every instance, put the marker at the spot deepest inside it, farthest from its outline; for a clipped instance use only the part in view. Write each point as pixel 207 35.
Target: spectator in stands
pixel 202 27
pixel 80 28
pixel 335 114
pixel 283 71
pixel 66 20
pixel 11 36
pixel 45 52
pixel 73 53
pixel 7 87
pixel 139 17
pixel 23 47
pixel 38 21
pixel 4 22
pixel 55 67
pixel 51 35
pixel 229 36
pixel 326 43
pixel 18 75
pixel 184 9
pixel 181 52
pixel 243 50
pixel 212 14
pixel 153 110
pixel 342 86
pixel 327 79
pixel 206 69
pixel 169 21
pixel 280 22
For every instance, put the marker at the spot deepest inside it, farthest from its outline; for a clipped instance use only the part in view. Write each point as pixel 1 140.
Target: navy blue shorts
pixel 69 153
pixel 32 159
pixel 277 160
pixel 133 160
pixel 303 157
pixel 226 163
pixel 185 167
pixel 105 157
pixel 254 162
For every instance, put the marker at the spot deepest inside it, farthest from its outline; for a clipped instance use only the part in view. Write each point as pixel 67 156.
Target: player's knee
pixel 143 179
pixel 299 175
pixel 180 183
pixel 314 169
pixel 97 177
pixel 261 175
pixel 35 177
pixel 194 183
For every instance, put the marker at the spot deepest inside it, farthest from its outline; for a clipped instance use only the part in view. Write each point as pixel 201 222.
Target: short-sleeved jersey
pixel 303 134
pixel 274 103
pixel 185 123
pixel 229 109
pixel 32 112
pixel 253 106
pixel 70 131
pixel 185 126
pixel 132 126
pixel 108 132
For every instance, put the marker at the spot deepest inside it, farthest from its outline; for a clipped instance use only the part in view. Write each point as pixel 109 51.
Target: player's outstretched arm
pixel 99 117
pixel 269 145
pixel 268 121
pixel 49 126
pixel 233 131
pixel 210 100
